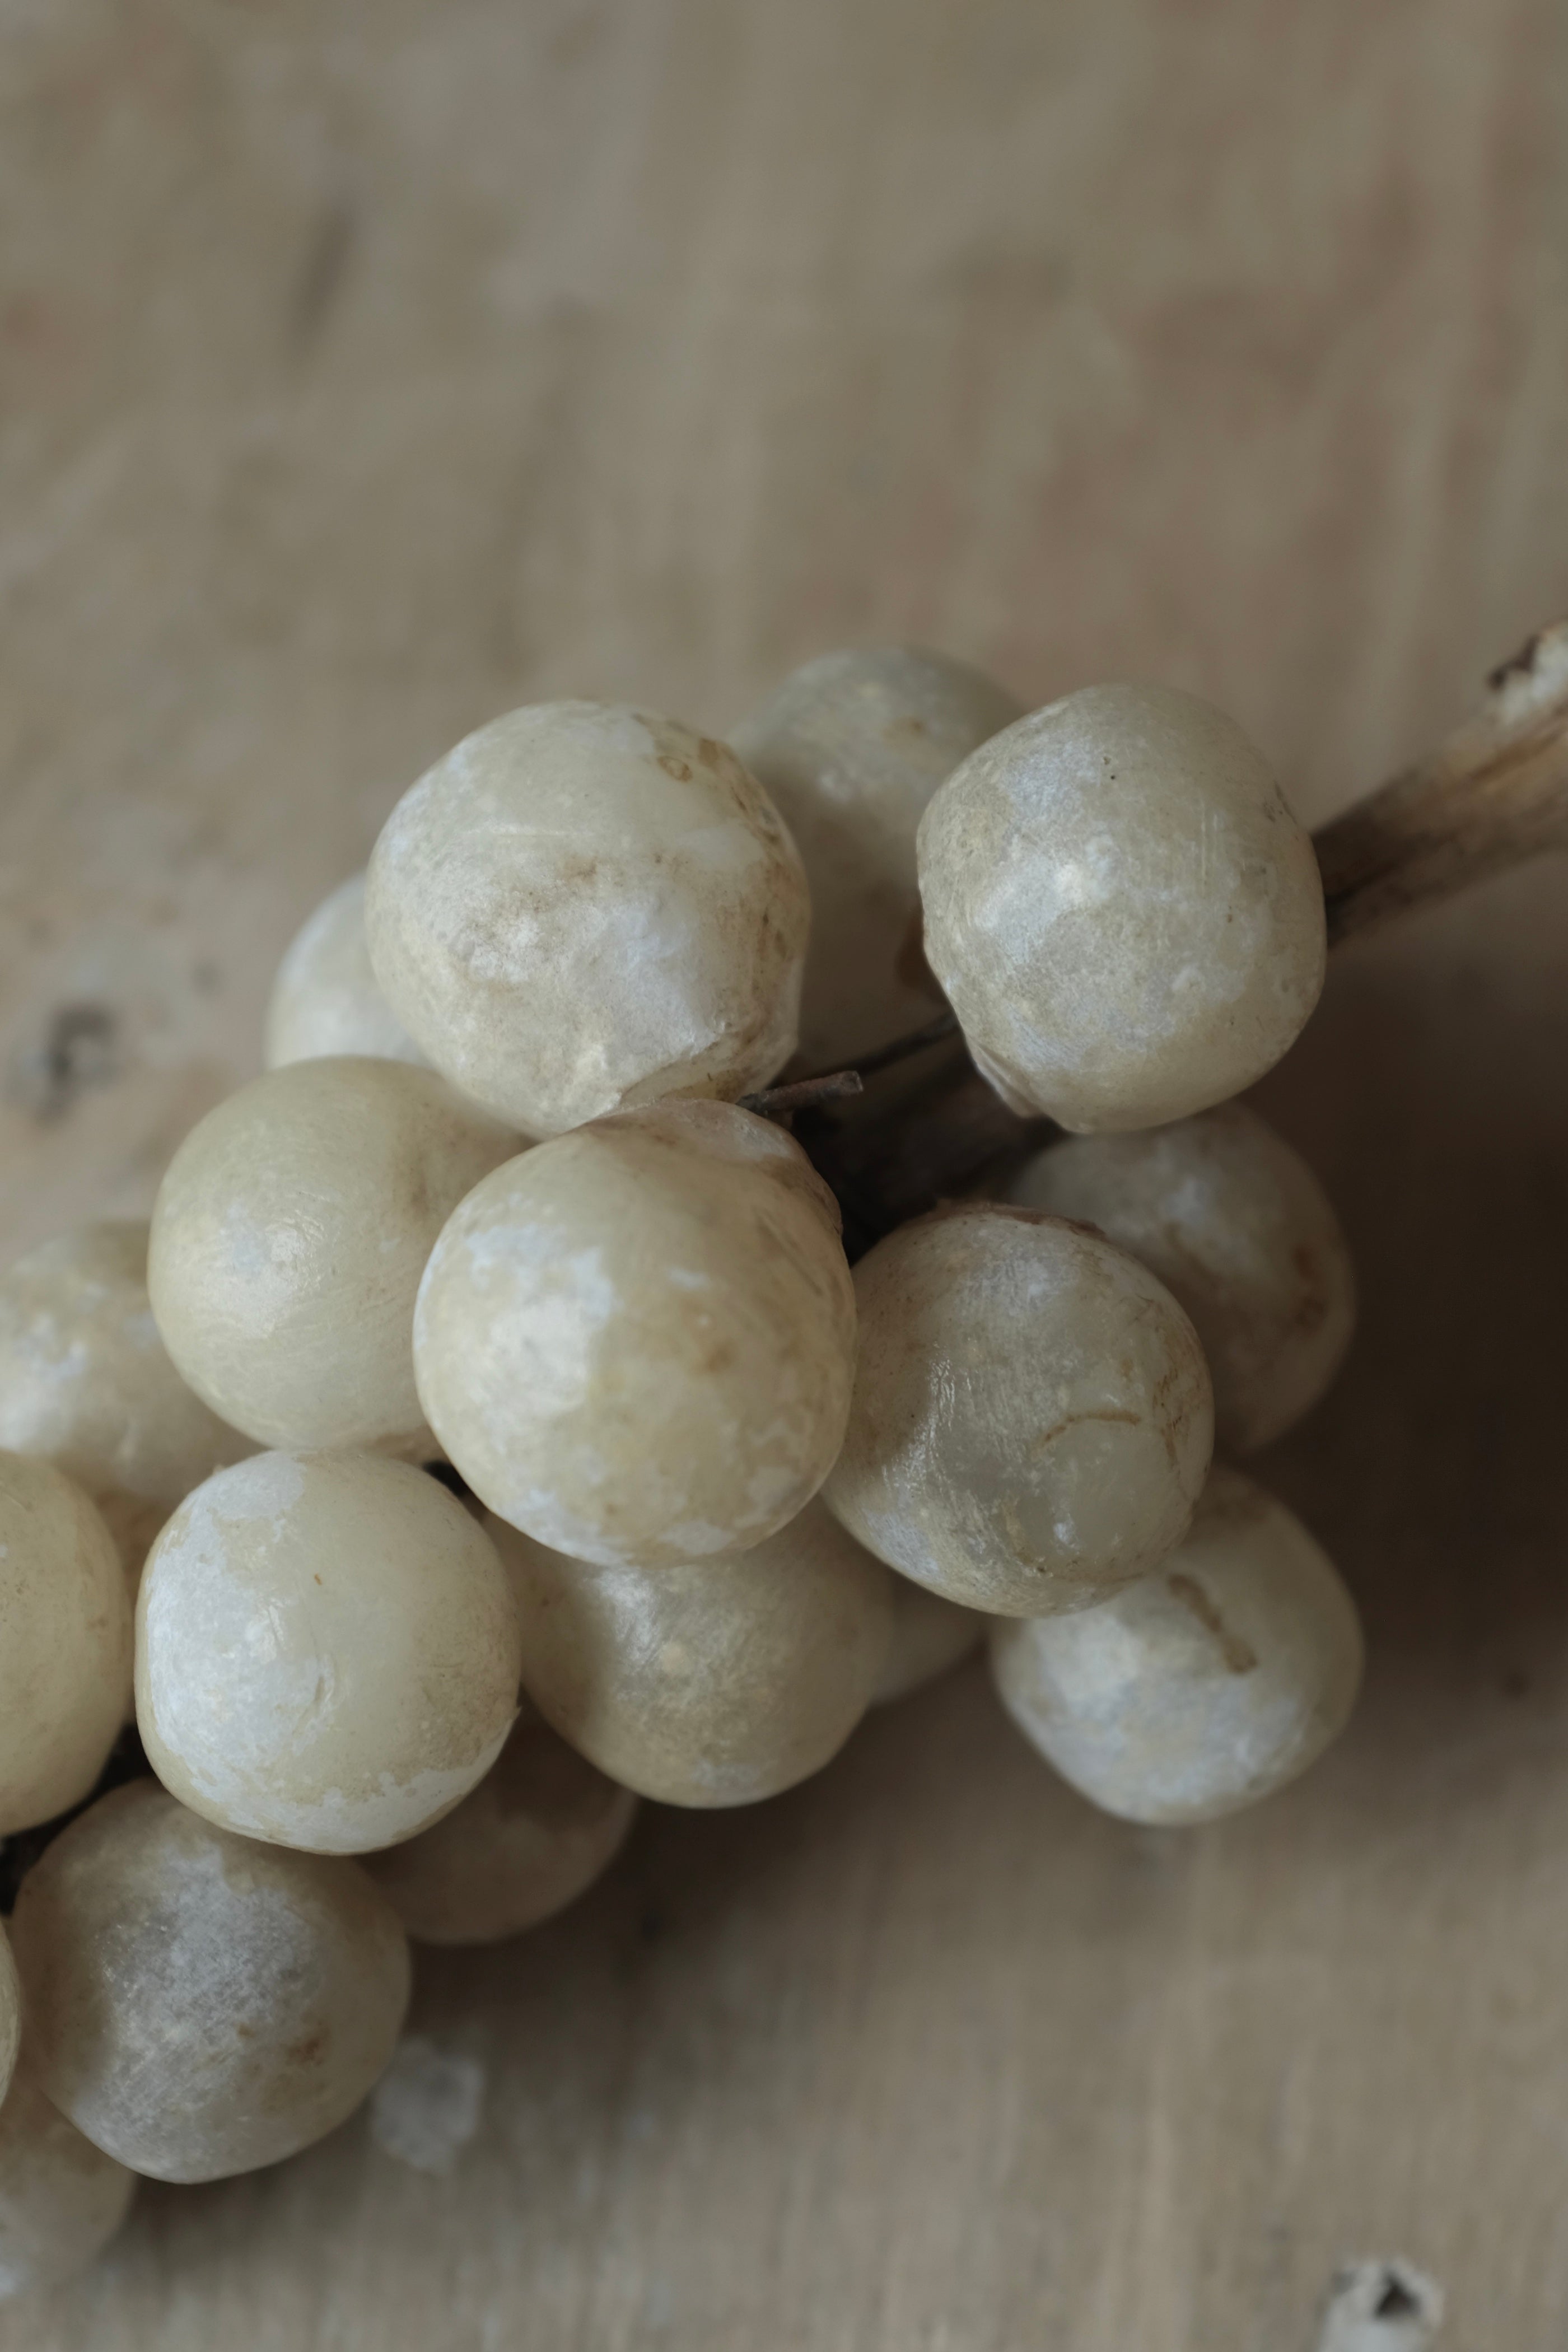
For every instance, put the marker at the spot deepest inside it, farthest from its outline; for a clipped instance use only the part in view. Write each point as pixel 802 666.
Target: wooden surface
pixel 366 370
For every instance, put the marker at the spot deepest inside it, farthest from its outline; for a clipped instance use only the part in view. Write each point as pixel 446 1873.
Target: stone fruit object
pixel 714 1681
pixel 1241 1233
pixel 288 1238
pixel 1208 1686
pixel 929 1635
pixel 1125 915
pixel 198 2004
pixel 61 2200
pixel 1032 1419
pixel 325 999
pixel 86 1384
pixel 541 1827
pixel 636 1342
pixel 64 1642
pixel 584 908
pixel 327 1654
pixel 851 747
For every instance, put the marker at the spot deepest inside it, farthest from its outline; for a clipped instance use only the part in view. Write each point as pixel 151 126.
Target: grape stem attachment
pixel 1492 795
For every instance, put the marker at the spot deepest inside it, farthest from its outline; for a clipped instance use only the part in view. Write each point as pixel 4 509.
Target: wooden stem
pixel 1493 794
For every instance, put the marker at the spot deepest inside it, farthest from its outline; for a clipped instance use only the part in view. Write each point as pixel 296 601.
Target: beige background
pixel 369 369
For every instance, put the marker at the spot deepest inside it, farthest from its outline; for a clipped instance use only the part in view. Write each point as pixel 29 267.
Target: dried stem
pixel 805 1094
pixel 1493 794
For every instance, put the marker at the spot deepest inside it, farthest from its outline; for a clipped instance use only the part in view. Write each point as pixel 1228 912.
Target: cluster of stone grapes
pixel 702 1496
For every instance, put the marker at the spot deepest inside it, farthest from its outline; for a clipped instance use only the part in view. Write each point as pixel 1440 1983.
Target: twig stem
pixel 1493 794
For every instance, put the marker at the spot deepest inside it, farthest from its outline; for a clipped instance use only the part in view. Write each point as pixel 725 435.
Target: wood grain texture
pixel 365 371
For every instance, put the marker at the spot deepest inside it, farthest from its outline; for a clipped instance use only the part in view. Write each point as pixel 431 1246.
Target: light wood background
pixel 368 370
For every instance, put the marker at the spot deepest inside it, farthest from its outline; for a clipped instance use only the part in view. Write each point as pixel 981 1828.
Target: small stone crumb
pixel 427 2105
pixel 1381 2307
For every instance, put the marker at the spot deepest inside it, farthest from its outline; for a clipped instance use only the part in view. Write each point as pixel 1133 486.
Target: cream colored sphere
pixel 637 1343
pixel 61 2200
pixel 1241 1233
pixel 64 1642
pixel 85 1381
pixel 541 1827
pixel 584 908
pixel 930 1635
pixel 198 2004
pixel 1126 916
pixel 707 1682
pixel 327 1654
pixel 325 999
pixel 10 2013
pixel 1209 1685
pixel 851 747
pixel 288 1237
pixel 1032 1421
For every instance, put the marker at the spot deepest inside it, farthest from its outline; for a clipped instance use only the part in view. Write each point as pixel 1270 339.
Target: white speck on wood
pixel 427 2105
pixel 1381 2307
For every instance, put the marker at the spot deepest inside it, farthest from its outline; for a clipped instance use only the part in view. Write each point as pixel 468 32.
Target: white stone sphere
pixel 707 1682
pixel 198 2004
pixel 582 908
pixel 325 999
pixel 1241 1233
pixel 61 2200
pixel 327 1656
pixel 64 1642
pixel 1126 916
pixel 851 747
pixel 636 1342
pixel 86 1384
pixel 10 2013
pixel 930 1635
pixel 1032 1420
pixel 288 1237
pixel 541 1827
pixel 1209 1685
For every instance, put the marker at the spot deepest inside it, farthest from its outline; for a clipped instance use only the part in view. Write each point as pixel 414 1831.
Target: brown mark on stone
pixel 1240 1657
pixel 1105 1413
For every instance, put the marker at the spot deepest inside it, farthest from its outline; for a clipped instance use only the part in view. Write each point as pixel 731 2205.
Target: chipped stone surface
pixel 582 908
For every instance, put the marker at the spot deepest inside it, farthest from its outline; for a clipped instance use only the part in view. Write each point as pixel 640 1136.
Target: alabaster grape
pixel 61 2200
pixel 851 747
pixel 929 1635
pixel 636 1342
pixel 1126 916
pixel 85 1381
pixel 10 2013
pixel 707 1682
pixel 64 1642
pixel 1240 1231
pixel 1032 1419
pixel 542 1824
pixel 1209 1685
pixel 327 1656
pixel 584 908
pixel 325 999
pixel 288 1238
pixel 198 2004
